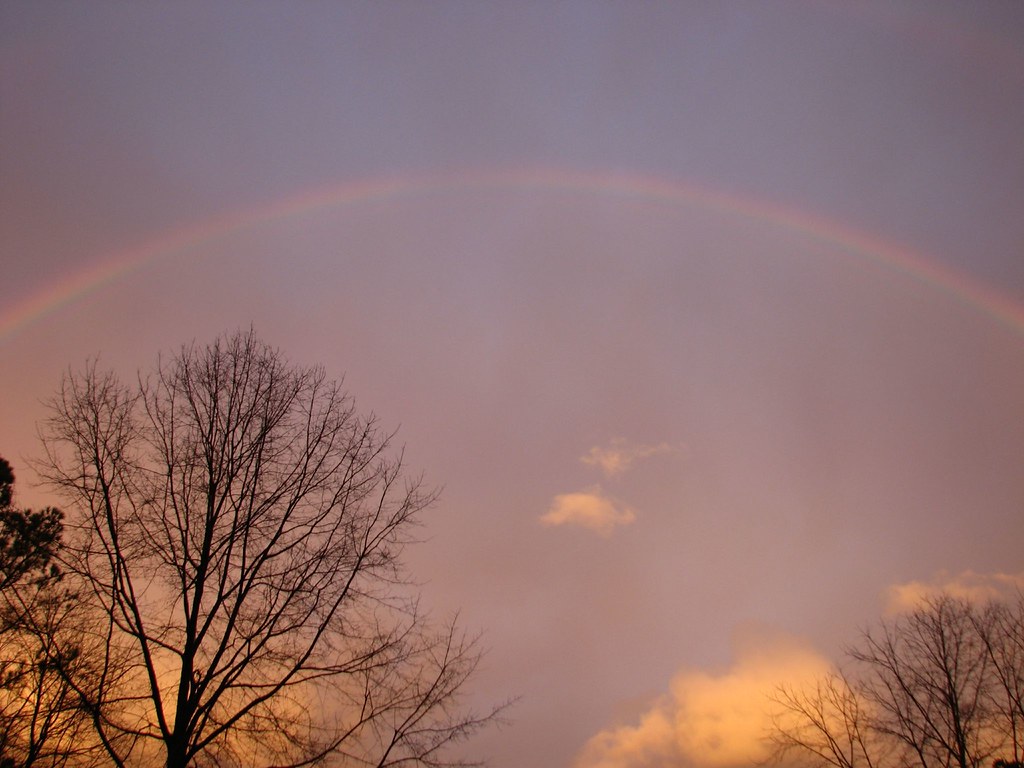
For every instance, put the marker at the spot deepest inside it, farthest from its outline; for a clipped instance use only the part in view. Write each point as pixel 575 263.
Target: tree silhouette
pixel 240 529
pixel 28 540
pixel 937 687
pixel 41 722
pixel 826 724
pixel 927 682
pixel 1001 629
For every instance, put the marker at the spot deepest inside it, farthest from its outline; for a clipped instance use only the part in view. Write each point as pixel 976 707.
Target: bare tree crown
pixel 939 687
pixel 239 526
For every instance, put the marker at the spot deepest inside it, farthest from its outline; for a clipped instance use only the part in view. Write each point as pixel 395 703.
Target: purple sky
pixel 688 448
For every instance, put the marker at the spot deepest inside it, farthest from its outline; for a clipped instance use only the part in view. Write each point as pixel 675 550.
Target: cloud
pixel 590 509
pixel 593 509
pixel 968 585
pixel 710 720
pixel 620 454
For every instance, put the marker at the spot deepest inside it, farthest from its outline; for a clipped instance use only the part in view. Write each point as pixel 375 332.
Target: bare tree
pixel 938 687
pixel 825 725
pixel 927 674
pixel 1001 629
pixel 240 527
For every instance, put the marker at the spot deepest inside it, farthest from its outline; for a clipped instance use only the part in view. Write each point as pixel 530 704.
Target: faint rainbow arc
pixel 632 186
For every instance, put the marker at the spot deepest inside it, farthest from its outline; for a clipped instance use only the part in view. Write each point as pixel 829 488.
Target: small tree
pixel 240 528
pixel 41 721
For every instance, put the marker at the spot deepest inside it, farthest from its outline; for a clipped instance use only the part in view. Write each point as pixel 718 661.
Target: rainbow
pixel 637 188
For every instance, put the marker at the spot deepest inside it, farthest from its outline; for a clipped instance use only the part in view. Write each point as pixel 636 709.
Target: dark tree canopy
pixel 41 722
pixel 238 527
pixel 6 483
pixel 28 540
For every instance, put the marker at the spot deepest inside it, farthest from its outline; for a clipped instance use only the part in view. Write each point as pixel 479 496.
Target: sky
pixel 707 317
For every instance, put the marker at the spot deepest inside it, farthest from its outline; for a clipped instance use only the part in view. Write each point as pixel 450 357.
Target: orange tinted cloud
pixel 968 585
pixel 710 720
pixel 590 509
pixel 619 454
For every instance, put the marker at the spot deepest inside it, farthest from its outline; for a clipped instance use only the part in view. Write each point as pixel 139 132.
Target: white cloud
pixel 590 509
pixel 710 720
pixel 620 454
pixel 968 585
